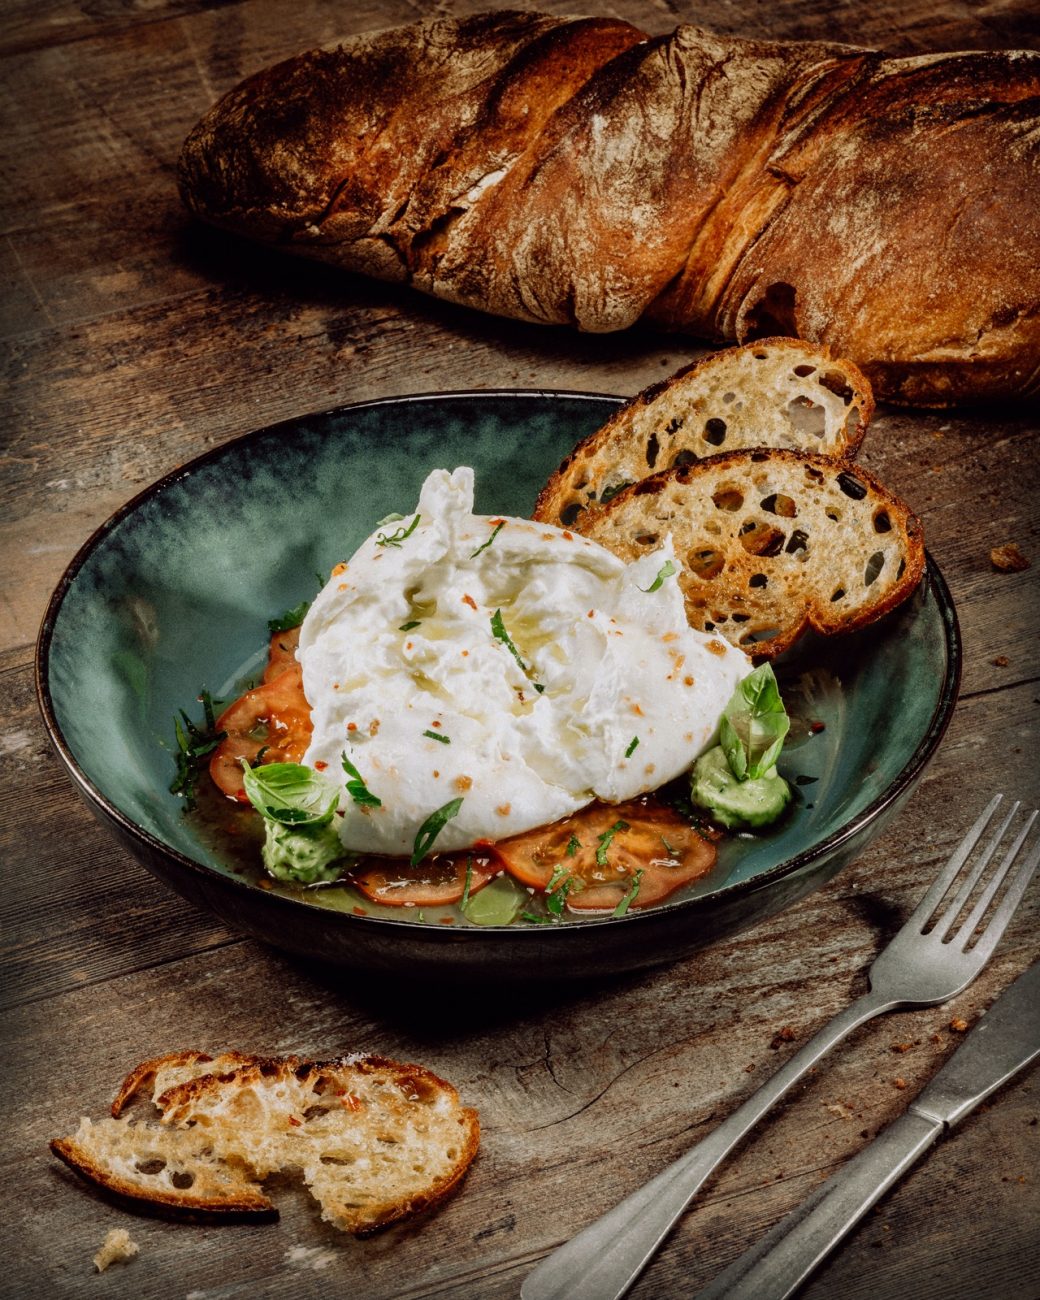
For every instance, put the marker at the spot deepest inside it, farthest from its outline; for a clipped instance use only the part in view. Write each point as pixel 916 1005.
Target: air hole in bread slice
pixel 874 566
pixel 646 539
pixel 182 1179
pixel 851 486
pixel 798 544
pixel 755 635
pixel 741 618
pixel 835 382
pixel 834 515
pixel 652 449
pixel 803 372
pixel 150 1167
pixel 758 538
pixel 728 498
pixel 684 457
pixel 779 504
pixel 758 580
pixel 705 563
pixel 570 513
pixel 882 522
pixel 715 431
pixel 806 417
pixel 727 398
pixel 838 594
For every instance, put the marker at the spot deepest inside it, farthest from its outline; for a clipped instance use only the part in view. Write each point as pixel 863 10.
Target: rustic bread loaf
pixel 576 172
pixel 774 393
pixel 374 1141
pixel 772 543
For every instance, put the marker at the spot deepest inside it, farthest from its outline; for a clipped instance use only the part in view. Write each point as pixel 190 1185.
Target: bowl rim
pixel 908 774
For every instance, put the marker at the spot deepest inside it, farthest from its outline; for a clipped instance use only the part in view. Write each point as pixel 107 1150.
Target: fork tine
pixel 950 914
pixel 1000 918
pixel 979 910
pixel 924 909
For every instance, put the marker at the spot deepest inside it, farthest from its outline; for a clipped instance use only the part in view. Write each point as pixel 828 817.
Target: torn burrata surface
pixel 516 666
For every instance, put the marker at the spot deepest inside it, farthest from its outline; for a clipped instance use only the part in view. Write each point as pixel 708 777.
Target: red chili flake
pixel 468 600
pixel 338 569
pixel 447 920
pixel 320 765
pixel 352 726
pixel 435 723
pixel 360 911
pixel 350 1101
pixel 817 727
pixel 569 536
pixel 495 522
pixel 294 1121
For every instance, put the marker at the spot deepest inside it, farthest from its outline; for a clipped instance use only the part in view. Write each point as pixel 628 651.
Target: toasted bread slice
pixel 374 1140
pixel 174 1170
pixel 772 543
pixel 773 393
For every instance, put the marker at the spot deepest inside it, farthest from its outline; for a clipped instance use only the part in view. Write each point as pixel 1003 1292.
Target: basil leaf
pixel 356 787
pixel 399 534
pixel 498 528
pixel 290 619
pixel 754 725
pixel 665 571
pixel 604 841
pixel 629 898
pixel 290 793
pixel 432 827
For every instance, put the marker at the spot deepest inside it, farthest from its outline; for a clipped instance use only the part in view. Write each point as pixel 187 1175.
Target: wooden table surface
pixel 132 341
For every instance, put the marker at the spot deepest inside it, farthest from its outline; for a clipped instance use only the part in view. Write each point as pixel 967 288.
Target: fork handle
pixel 604 1259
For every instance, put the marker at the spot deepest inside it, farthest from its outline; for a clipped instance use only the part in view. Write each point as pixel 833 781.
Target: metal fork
pixel 924 964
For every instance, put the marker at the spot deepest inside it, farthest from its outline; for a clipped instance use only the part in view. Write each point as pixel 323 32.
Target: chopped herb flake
pixel 554 902
pixel 399 534
pixel 604 841
pixel 559 875
pixel 194 743
pixel 435 735
pixel 498 631
pixel 356 787
pixel 573 845
pixel 633 745
pixel 498 528
pixel 629 898
pixel 407 627
pixel 665 571
pixel 609 493
pixel 466 888
pixel 290 619
pixel 432 827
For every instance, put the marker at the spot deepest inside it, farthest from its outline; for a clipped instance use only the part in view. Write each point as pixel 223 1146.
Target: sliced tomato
pixel 272 722
pixel 281 653
pixel 593 856
pixel 435 881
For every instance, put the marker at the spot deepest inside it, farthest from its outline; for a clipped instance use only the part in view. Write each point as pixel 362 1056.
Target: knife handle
pixel 778 1264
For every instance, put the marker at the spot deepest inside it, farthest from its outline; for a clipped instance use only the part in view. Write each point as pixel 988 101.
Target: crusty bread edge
pixel 545 505
pixel 255 1208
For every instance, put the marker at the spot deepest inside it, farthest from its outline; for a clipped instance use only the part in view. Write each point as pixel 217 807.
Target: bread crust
pixel 576 172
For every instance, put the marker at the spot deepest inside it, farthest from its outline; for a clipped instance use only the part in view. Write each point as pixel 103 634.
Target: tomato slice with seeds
pixel 639 836
pixel 435 881
pixel 271 722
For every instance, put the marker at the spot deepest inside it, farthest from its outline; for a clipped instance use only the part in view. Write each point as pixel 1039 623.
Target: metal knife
pixel 1005 1041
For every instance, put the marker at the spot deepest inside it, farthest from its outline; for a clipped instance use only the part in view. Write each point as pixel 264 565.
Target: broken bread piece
pixel 773 393
pixel 375 1141
pixel 772 543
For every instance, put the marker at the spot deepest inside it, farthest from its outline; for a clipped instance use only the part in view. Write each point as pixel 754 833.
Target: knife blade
pixel 1005 1041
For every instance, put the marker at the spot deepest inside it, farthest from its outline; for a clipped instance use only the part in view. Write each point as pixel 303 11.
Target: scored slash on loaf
pixel 575 171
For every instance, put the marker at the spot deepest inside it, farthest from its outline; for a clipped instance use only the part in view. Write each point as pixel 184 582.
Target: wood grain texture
pixel 131 341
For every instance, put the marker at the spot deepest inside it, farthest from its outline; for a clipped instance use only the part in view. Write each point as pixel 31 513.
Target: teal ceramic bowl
pixel 173 595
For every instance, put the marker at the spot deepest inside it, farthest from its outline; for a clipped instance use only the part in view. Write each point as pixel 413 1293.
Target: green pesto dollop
pixel 755 801
pixel 308 855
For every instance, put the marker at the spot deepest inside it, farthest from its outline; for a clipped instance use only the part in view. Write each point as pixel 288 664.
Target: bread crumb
pixel 1008 558
pixel 1001 661
pixel 784 1035
pixel 901 1047
pixel 899 1083
pixel 117 1248
pixel 836 1108
pixel 958 1025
